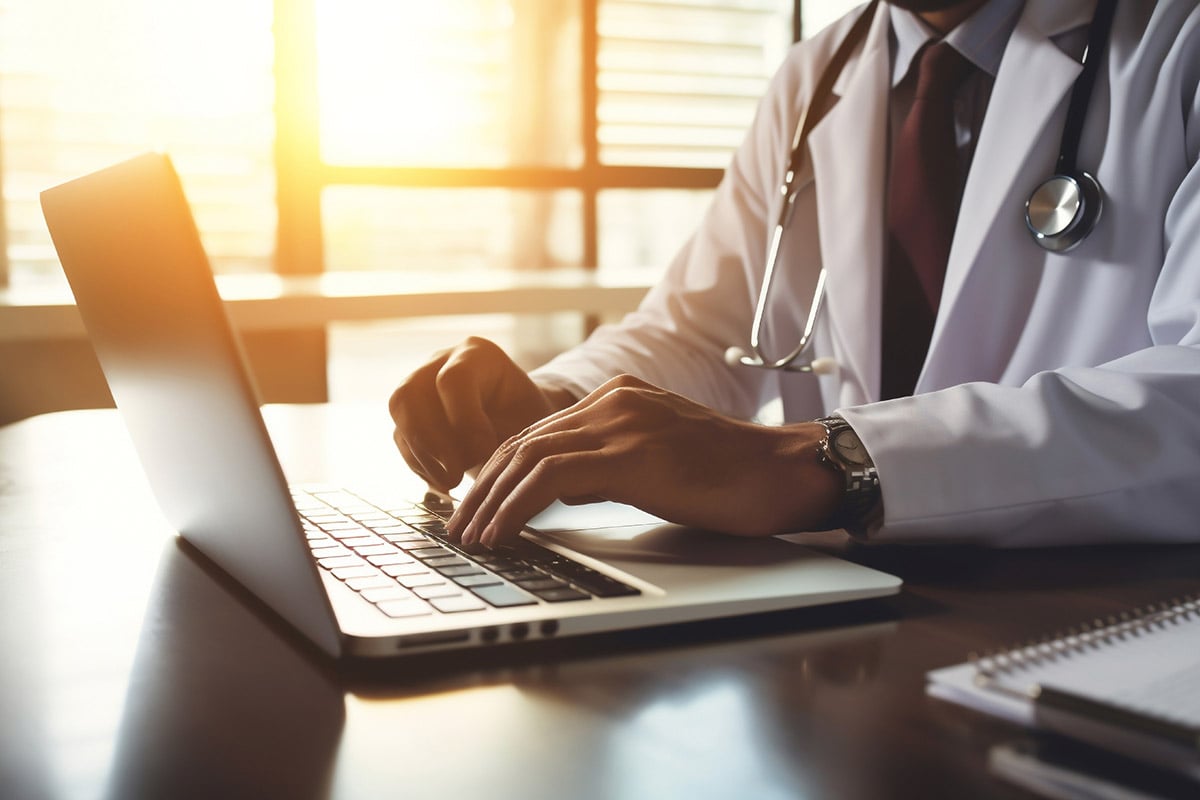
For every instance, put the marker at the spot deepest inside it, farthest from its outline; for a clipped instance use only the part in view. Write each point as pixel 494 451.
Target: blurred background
pixel 447 138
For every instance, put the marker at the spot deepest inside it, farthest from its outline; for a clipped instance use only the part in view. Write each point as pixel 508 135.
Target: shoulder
pixel 806 60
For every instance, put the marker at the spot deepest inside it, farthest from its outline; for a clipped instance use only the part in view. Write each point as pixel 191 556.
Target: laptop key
pixel 367 517
pixel 397 570
pixel 345 573
pixel 361 541
pixel 370 582
pixel 331 552
pixel 437 590
pixel 447 561
pixel 503 595
pixel 518 575
pixel 325 519
pixel 413 581
pixel 383 594
pixel 422 543
pixel 341 561
pixel 588 579
pixel 458 570
pixel 433 551
pixel 393 527
pixel 454 605
pixel 562 595
pixel 376 550
pixel 407 536
pixel 436 527
pixel 389 559
pixel 414 516
pixel 349 533
pixel 471 581
pixel 410 607
pixel 540 583
pixel 334 527
pixel 604 586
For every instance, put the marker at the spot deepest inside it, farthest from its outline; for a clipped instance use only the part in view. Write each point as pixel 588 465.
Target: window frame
pixel 301 174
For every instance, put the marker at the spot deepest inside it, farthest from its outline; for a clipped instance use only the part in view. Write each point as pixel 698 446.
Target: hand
pixel 452 413
pixel 634 443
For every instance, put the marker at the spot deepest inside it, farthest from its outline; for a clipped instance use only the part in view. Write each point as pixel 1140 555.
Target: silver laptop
pixel 355 576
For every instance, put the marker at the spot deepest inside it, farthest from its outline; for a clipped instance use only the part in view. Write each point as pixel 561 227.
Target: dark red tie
pixel 924 191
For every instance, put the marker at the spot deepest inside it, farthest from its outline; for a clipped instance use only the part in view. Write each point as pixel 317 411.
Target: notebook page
pixel 1146 665
pixel 1150 667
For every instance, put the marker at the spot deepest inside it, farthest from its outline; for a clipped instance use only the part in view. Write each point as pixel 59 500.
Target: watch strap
pixel 861 494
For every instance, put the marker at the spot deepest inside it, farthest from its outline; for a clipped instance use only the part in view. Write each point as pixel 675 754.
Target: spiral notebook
pixel 1129 684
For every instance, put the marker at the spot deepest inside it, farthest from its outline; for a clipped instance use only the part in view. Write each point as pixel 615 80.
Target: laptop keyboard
pixel 399 559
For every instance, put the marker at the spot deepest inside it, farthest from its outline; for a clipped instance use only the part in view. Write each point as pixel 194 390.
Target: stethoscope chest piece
pixel 1063 210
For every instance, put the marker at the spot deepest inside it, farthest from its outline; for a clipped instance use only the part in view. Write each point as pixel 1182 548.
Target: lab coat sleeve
pixel 677 337
pixel 1109 453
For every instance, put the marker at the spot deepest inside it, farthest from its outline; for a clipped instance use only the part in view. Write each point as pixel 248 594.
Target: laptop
pixel 357 576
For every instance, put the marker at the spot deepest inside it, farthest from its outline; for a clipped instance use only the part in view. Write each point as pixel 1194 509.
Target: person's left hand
pixel 634 443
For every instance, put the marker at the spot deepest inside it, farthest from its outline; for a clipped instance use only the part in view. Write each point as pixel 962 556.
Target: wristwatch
pixel 842 450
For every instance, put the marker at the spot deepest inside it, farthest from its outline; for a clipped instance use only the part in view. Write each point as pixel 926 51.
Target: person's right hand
pixel 452 413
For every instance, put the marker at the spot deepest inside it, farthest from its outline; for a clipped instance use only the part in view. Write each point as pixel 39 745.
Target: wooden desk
pixel 129 670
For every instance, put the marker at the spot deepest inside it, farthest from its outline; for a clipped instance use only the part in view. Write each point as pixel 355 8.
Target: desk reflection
pixel 225 701
pixel 221 703
pixel 674 712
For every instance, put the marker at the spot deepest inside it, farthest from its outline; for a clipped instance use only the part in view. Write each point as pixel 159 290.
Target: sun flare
pixel 408 82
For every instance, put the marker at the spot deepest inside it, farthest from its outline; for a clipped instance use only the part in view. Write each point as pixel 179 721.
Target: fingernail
pixel 488 537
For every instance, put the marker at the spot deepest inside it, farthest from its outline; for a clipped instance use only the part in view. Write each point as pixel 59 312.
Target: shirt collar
pixel 981 38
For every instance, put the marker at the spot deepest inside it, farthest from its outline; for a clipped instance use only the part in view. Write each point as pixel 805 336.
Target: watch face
pixel 848 447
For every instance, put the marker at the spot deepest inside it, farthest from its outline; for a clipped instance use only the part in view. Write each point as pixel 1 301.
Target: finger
pixel 460 388
pixel 424 429
pixel 571 474
pixel 465 512
pixel 416 384
pixel 536 454
pixel 433 472
pixel 428 439
pixel 581 416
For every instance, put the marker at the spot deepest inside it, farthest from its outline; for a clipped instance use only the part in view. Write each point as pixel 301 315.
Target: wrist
pixel 803 491
pixel 557 398
pixel 842 451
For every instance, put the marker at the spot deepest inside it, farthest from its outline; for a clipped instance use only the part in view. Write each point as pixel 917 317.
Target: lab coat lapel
pixel 849 156
pixel 1019 129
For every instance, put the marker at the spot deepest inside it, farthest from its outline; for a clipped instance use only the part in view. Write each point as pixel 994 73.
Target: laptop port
pixel 428 639
pixel 489 635
pixel 519 630
pixel 549 627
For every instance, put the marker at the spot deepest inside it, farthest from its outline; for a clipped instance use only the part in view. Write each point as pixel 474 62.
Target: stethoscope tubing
pixel 1089 198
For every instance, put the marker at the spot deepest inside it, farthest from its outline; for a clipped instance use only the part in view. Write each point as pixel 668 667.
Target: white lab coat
pixel 1060 399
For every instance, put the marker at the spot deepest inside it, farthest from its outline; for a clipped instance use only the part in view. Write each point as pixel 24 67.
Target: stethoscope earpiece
pixel 1063 210
pixel 734 356
pixel 823 366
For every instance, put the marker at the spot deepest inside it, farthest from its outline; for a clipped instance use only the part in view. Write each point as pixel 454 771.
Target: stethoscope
pixel 1059 214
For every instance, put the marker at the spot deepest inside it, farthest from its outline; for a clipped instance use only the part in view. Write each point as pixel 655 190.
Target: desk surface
pixel 130 669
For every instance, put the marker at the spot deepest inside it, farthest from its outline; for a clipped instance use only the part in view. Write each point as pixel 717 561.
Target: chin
pixel 927 5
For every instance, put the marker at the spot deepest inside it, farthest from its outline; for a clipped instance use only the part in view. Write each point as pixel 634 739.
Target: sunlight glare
pixel 399 82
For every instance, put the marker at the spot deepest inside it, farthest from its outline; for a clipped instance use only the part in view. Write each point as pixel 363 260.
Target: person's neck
pixel 947 20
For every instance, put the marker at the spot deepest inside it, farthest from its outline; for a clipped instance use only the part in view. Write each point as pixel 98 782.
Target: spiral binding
pixel 1096 634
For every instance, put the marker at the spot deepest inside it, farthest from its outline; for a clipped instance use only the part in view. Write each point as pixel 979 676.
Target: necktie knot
pixel 941 70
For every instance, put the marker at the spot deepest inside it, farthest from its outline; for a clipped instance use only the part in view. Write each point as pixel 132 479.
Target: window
pixel 391 134
pixel 83 85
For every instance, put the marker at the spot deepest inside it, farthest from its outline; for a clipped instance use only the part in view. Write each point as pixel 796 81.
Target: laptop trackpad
pixel 616 531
